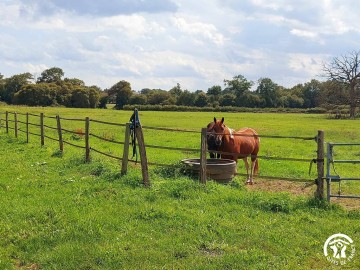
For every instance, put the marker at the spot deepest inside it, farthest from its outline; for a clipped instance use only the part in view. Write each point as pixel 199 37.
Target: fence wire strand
pixel 53 139
pixel 73 132
pixel 107 123
pixel 72 119
pixel 241 135
pixel 78 146
pixel 50 127
pixel 105 139
pixel 173 148
pixel 157 146
pixel 105 154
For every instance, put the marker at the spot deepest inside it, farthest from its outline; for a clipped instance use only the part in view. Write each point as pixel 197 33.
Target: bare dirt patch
pixel 299 189
pixel 349 204
pixel 292 187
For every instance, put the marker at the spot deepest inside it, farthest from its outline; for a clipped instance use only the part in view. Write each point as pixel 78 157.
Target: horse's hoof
pixel 248 182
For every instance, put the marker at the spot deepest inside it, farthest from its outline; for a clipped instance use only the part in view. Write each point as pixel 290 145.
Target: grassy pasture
pixel 298 125
pixel 61 213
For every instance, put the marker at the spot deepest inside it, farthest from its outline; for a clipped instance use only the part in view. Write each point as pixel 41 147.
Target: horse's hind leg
pixel 249 179
pixel 253 164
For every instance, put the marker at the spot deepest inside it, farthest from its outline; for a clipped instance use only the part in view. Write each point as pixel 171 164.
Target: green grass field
pixel 59 212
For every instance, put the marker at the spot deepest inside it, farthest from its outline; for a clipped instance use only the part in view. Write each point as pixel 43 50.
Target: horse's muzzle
pixel 218 140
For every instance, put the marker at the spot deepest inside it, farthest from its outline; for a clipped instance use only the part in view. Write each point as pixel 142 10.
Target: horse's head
pixel 210 137
pixel 219 130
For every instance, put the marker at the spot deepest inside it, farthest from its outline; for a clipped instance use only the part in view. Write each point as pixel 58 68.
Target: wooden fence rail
pixel 142 146
pixel 87 135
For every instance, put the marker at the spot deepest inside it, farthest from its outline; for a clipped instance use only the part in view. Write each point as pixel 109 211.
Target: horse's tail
pixel 256 167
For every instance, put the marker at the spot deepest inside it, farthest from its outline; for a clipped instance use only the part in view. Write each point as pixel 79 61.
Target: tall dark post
pixel 87 136
pixel 7 121
pixel 61 143
pixel 320 165
pixel 42 130
pixel 125 157
pixel 27 127
pixel 143 157
pixel 203 156
pixel 16 124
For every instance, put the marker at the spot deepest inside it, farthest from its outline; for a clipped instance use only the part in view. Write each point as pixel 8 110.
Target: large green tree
pixel 238 86
pixel 138 99
pixel 160 97
pixel 80 98
pixel 14 84
pixel 51 75
pixel 269 92
pixel 176 90
pixel 186 98
pixel 122 92
pixel 311 94
pixel 2 86
pixel 104 99
pixel 214 93
pixel 74 81
pixel 201 100
pixel 42 94
pixel 94 96
pixel 227 99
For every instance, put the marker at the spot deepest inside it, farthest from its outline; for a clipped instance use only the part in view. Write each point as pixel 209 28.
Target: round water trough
pixel 221 170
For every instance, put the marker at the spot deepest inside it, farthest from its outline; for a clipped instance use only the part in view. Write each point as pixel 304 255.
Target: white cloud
pixel 196 43
pixel 134 26
pixel 274 5
pixel 8 12
pixel 199 29
pixel 35 69
pixel 96 8
pixel 309 64
pixel 303 33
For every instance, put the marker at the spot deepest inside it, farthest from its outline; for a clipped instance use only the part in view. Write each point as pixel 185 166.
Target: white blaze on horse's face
pixel 219 129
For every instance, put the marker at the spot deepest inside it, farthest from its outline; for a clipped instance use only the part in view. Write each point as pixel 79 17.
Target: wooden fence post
pixel 27 127
pixel 203 156
pixel 16 124
pixel 42 131
pixel 7 121
pixel 320 165
pixel 142 150
pixel 87 137
pixel 125 158
pixel 61 143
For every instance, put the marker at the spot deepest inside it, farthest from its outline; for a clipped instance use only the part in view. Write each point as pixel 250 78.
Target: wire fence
pixel 182 149
pixel 47 131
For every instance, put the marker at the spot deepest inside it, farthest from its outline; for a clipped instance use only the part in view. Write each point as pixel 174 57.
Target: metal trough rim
pixel 209 162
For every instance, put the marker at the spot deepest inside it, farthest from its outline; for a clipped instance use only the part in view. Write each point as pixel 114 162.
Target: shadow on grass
pixel 173 171
pixel 58 154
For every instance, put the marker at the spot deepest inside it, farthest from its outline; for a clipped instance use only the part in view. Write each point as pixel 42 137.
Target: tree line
pixel 236 92
pixel 51 89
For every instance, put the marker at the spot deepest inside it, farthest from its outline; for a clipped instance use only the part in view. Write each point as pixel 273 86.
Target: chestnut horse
pixel 243 142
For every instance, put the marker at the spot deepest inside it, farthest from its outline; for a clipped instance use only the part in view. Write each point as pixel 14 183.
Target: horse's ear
pixel 215 119
pixel 222 120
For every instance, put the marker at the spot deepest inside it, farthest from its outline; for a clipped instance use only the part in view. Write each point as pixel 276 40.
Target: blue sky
pixel 159 43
